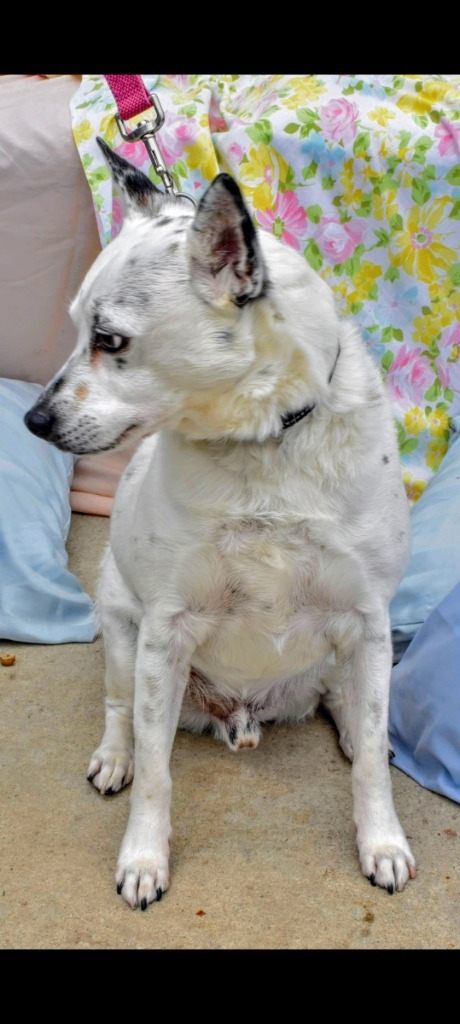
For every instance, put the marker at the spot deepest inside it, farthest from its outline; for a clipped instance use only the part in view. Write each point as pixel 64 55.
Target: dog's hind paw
pixel 110 770
pixel 240 729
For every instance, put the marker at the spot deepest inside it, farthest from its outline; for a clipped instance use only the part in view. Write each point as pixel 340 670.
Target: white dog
pixel 257 540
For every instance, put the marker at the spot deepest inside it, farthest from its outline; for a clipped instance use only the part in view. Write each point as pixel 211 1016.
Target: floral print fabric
pixel 360 174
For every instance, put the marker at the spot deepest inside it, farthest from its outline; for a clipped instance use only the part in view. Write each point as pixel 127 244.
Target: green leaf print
pixel 420 191
pixel 453 176
pixel 454 274
pixel 292 127
pixel 310 171
pixel 327 182
pixel 100 174
pixel 307 116
pixel 387 360
pixel 396 222
pixel 382 235
pixel 455 211
pixel 314 213
pixel 408 446
pixel 434 392
pixel 361 142
pixel 429 173
pixel 261 131
pixel 448 394
pixel 313 254
pixel 189 109
pixel 397 334
pixel 387 335
pixel 421 119
pixel 392 273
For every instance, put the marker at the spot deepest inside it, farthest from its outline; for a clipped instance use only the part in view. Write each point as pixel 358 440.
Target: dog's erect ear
pixel 226 260
pixel 139 193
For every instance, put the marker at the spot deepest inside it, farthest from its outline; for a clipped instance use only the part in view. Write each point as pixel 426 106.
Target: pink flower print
pixel 117 217
pixel 338 121
pixel 134 152
pixel 338 241
pixel 182 82
pixel 448 362
pixel 449 136
pixel 287 220
pixel 178 131
pixel 409 375
pixel 236 151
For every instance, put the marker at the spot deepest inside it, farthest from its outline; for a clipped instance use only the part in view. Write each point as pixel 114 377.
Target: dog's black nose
pixel 39 422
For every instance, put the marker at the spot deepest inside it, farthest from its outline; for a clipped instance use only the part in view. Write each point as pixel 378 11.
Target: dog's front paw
pixel 142 880
pixel 389 864
pixel 110 769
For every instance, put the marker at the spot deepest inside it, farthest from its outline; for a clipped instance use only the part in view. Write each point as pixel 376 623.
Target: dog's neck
pixel 289 419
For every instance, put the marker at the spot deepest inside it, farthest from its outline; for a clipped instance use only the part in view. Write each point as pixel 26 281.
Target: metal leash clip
pixel 146 131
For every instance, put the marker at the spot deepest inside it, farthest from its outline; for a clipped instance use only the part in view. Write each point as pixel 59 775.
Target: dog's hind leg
pixel 112 764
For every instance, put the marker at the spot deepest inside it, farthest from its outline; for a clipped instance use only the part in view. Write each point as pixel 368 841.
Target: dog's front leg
pixel 385 856
pixel 165 650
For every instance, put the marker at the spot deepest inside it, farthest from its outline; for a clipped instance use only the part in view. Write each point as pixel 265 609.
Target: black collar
pixel 289 418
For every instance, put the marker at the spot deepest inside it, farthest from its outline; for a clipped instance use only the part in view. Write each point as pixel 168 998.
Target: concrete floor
pixel 263 850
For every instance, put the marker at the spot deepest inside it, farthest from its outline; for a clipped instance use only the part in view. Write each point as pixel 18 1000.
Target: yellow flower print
pixel 421 251
pixel 363 281
pixel 415 420
pixel 382 115
pixel 305 90
pixel 203 155
pixel 444 289
pixel 435 454
pixel 422 102
pixel 351 196
pixel 108 127
pixel 444 312
pixel 438 421
pixel 414 488
pixel 384 206
pixel 82 132
pixel 261 175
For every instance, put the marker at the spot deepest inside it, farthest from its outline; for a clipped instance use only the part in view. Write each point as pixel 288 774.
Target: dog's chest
pixel 275 603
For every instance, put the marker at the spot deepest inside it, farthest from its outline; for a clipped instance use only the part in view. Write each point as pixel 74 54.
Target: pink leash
pixel 130 94
pixel 132 98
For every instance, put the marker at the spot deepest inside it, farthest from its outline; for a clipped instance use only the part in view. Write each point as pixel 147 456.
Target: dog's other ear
pixel 140 195
pixel 226 260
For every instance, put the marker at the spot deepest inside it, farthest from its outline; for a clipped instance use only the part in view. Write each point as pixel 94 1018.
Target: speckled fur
pixel 250 569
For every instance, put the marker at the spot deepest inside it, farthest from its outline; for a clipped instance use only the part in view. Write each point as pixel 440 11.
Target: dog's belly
pixel 243 654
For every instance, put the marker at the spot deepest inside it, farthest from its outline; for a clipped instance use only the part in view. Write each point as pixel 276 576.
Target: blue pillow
pixel 424 722
pixel 434 565
pixel 40 600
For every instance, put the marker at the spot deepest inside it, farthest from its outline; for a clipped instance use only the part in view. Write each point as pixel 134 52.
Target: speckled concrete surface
pixel 263 850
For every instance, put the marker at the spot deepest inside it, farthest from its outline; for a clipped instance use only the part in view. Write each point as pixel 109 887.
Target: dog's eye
pixel 110 342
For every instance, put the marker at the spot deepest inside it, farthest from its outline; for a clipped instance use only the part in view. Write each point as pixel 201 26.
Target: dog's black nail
pixel 390 889
pixel 372 880
pixel 144 904
pixel 159 894
pixel 119 887
pixel 91 777
pixel 109 791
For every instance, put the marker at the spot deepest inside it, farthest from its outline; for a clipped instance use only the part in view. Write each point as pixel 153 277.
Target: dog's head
pixel 170 328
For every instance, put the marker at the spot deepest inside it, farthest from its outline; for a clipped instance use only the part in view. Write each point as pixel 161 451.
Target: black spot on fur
pixel 162 221
pixel 386 459
pixel 120 362
pixel 232 733
pixel 53 388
